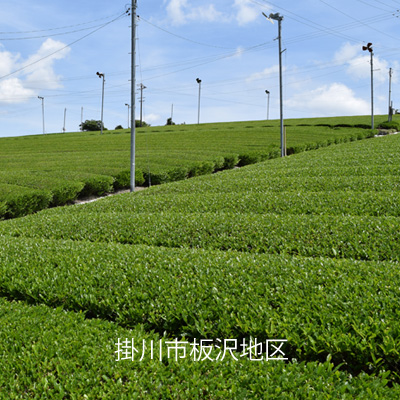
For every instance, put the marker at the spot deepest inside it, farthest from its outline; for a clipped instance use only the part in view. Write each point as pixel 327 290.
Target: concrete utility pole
pixel 142 87
pixel 268 94
pixel 390 96
pixel 279 18
pixel 133 86
pixel 128 112
pixel 65 116
pixel 198 110
pixel 42 98
pixel 101 75
pixel 368 47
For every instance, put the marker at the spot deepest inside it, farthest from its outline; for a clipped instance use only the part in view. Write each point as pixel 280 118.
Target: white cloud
pixel 152 118
pixel 18 87
pixel 266 73
pixel 181 12
pixel 7 61
pixel 359 63
pixel 175 9
pixel 335 99
pixel 13 91
pixel 43 73
pixel 246 12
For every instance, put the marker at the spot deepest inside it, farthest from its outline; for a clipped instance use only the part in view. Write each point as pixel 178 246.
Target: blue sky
pixel 54 49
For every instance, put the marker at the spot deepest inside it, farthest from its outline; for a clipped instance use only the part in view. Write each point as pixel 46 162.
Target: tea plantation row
pixel 321 306
pixel 52 354
pixel 60 168
pixel 193 260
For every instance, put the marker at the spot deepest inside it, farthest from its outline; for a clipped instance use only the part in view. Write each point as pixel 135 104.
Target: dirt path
pixel 94 198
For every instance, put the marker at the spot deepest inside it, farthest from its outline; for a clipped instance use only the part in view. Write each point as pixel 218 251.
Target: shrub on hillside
pixel 231 161
pixel 389 125
pixel 202 168
pixel 97 185
pixel 123 179
pixel 247 159
pixel 3 209
pixel 26 203
pixel 91 125
pixel 178 173
pixel 66 192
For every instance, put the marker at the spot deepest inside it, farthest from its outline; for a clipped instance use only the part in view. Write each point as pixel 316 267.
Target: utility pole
pixel 65 116
pixel 42 98
pixel 368 47
pixel 390 96
pixel 128 112
pixel 279 18
pixel 101 75
pixel 142 87
pixel 198 110
pixel 133 85
pixel 268 94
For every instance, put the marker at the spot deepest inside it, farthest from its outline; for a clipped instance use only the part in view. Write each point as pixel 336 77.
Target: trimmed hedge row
pixel 51 354
pixel 17 201
pixel 362 238
pixel 385 203
pixel 322 307
pixel 29 192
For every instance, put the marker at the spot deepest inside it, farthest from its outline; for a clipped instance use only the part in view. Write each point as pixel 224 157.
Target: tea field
pixel 300 253
pixel 42 171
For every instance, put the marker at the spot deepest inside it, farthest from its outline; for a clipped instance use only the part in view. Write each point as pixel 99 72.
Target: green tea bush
pixel 178 174
pixel 202 168
pixel 67 192
pixel 53 354
pixel 230 161
pixel 390 125
pixel 246 159
pixel 219 163
pixel 17 201
pixel 97 185
pixel 122 179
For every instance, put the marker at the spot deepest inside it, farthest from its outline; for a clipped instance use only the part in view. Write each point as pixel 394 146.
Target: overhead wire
pixel 355 19
pixel 59 28
pixel 185 38
pixel 62 48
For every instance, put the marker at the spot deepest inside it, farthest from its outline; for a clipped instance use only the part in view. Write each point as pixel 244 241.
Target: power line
pixel 52 35
pixel 355 19
pixel 62 48
pixel 184 38
pixel 59 28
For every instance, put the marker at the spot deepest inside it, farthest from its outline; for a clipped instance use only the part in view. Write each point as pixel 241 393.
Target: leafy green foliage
pixel 91 125
pixel 390 125
pixel 304 248
pixel 315 304
pixel 164 154
pixel 17 201
pixel 49 353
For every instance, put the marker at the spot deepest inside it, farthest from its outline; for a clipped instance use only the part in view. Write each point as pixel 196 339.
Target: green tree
pixel 91 125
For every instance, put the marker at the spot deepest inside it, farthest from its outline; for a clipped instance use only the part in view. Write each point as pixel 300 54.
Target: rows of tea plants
pixel 83 164
pixel 53 354
pixel 295 215
pixel 268 251
pixel 323 307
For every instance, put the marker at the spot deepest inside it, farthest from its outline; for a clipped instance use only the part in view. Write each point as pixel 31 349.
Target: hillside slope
pixel 304 249
pixel 42 171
